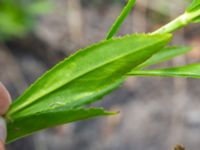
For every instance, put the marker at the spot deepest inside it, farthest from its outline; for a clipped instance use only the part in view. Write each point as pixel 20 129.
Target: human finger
pixel 3 133
pixel 5 99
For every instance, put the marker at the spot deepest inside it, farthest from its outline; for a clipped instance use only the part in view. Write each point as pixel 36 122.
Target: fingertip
pixel 3 132
pixel 5 99
pixel 2 145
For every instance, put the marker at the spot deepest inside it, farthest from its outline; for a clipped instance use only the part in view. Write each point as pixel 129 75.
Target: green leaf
pixel 196 20
pixel 163 55
pixel 195 5
pixel 193 11
pixel 39 7
pixel 85 76
pixel 188 71
pixel 115 27
pixel 79 79
pixel 26 125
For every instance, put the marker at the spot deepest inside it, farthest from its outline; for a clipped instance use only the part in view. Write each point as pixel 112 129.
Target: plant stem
pixel 178 23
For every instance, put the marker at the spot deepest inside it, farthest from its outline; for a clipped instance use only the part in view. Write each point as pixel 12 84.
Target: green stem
pixel 178 23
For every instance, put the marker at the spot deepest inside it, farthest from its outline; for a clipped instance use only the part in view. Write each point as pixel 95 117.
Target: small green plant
pixel 63 94
pixel 18 16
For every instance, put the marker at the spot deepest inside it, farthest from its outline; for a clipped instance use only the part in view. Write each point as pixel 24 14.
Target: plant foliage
pixel 84 77
pixel 195 5
pixel 116 25
pixel 188 71
pixel 18 16
pixel 63 93
pixel 194 8
pixel 28 124
pixel 163 55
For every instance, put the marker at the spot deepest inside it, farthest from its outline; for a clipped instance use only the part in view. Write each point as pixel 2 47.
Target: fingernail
pixel 2 129
pixel 5 99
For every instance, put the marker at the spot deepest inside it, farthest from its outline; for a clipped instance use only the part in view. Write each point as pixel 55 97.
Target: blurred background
pixel 155 113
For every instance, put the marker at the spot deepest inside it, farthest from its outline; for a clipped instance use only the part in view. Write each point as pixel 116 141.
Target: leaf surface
pixel 115 27
pixel 195 5
pixel 196 20
pixel 83 78
pixel 26 125
pixel 194 11
pixel 163 55
pixel 80 78
pixel 188 71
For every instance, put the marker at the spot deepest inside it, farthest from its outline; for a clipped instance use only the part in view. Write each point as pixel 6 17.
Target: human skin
pixel 5 101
